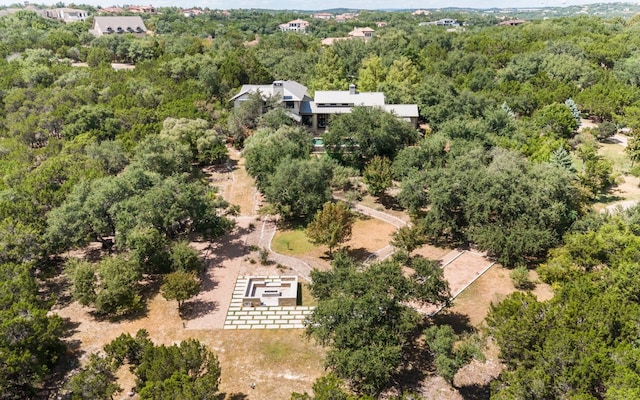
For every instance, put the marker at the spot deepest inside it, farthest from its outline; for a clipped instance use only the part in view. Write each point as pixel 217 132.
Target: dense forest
pixel 89 153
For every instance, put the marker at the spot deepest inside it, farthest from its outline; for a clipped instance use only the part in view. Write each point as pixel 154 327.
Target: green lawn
pixel 616 154
pixel 292 243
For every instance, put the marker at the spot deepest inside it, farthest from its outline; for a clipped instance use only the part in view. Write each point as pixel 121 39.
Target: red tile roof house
pixel 315 113
pixel 322 15
pixel 142 9
pixel 111 10
pixel 362 33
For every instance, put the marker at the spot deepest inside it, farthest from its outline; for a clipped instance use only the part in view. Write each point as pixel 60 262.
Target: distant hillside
pixel 606 10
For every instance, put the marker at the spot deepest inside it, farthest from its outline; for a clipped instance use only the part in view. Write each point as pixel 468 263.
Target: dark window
pixel 322 120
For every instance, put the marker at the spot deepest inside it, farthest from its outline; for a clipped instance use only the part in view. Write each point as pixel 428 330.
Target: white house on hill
pixel 297 25
pixel 67 14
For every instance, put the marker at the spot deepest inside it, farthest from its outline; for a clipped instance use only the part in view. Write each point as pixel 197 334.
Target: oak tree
pixel 331 225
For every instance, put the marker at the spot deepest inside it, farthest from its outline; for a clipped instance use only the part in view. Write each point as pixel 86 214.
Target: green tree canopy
pixel 362 317
pixel 331 225
pixel 266 148
pixel 355 138
pixel 377 175
pixel 495 203
pixel 29 339
pixel 180 286
pixel 298 188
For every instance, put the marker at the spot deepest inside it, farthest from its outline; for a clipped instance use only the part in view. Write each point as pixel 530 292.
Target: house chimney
pixel 352 89
pixel 278 89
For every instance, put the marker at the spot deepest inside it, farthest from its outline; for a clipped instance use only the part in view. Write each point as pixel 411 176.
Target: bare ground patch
pixel 492 287
pixel 234 184
pixel 386 204
pixel 368 235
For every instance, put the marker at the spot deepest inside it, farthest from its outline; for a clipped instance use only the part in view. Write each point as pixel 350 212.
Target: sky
pixel 325 4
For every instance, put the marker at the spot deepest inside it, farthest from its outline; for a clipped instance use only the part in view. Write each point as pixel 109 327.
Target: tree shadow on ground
pixel 360 254
pixel 57 288
pixel 94 254
pixel 52 281
pixel 360 216
pixel 207 283
pixel 69 328
pixel 197 308
pixel 232 396
pixel 389 202
pixel 459 322
pixel 417 364
pixel 610 196
pixel 69 360
pixel 228 247
pixel 475 391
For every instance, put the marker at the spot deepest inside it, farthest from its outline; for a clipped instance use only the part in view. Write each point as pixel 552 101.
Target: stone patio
pixel 262 317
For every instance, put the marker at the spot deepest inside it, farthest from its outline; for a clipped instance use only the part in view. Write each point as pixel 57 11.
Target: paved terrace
pixel 267 317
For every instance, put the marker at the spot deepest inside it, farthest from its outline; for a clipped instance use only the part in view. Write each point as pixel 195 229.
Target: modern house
pixel 297 25
pixel 118 25
pixel 327 103
pixel 314 113
pixel 292 94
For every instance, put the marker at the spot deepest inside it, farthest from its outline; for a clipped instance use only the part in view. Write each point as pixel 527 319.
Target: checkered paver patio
pixel 264 317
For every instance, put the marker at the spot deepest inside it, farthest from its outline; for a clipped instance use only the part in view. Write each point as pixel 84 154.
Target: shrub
pixel 263 256
pixel 520 278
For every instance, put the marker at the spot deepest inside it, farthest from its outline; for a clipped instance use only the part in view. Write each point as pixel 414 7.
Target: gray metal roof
pixel 297 90
pixel 337 97
pixel 329 110
pixel 264 89
pixel 402 110
pixel 124 23
pixel 292 90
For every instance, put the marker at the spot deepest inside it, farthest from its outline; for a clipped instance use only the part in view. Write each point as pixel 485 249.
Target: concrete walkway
pixel 381 215
pixel 301 267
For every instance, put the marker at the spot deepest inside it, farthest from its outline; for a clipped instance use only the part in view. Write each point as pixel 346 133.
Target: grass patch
pixel 275 352
pixel 292 242
pixel 616 154
pixel 305 295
